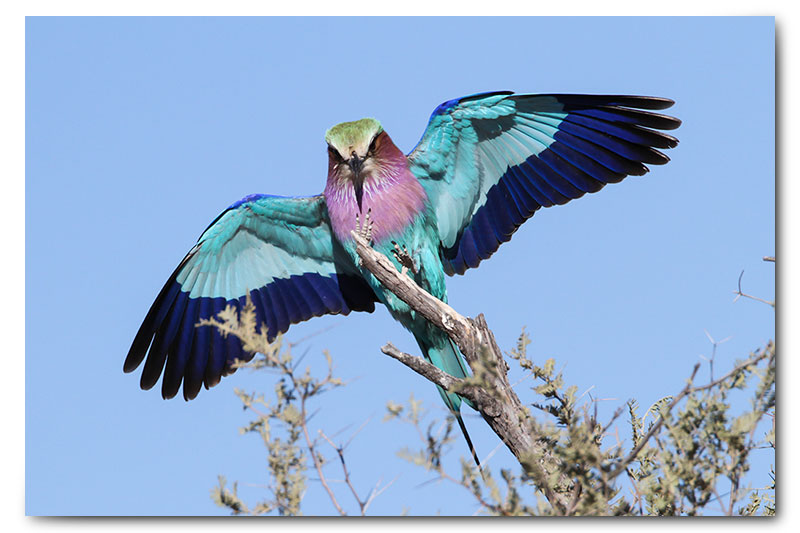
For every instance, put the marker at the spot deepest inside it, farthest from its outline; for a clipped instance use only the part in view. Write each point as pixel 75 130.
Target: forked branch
pixel 489 389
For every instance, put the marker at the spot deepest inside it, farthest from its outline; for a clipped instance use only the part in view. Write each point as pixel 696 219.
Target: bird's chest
pixel 389 214
pixel 386 211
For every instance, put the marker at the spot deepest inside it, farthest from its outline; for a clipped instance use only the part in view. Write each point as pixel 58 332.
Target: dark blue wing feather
pixel 280 252
pixel 488 162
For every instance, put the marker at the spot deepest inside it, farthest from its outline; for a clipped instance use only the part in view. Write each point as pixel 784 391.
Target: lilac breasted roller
pixel 484 165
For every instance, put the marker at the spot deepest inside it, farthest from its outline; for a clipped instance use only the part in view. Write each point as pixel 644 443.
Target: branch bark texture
pixel 490 391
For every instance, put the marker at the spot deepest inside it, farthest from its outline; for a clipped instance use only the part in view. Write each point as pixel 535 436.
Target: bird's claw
pixel 364 230
pixel 404 258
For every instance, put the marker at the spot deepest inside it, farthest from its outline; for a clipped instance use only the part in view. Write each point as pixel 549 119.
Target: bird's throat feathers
pixel 386 189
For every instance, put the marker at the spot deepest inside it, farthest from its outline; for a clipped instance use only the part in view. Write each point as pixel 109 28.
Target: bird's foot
pixel 404 258
pixel 364 230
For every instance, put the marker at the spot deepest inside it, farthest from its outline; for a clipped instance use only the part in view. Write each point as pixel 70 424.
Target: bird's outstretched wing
pixel 488 162
pixel 281 252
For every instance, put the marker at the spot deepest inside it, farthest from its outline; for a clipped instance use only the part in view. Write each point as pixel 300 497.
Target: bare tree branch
pixel 316 460
pixel 739 293
pixel 445 380
pixel 494 397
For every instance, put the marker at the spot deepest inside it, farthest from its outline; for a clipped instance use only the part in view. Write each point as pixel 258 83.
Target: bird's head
pixel 357 151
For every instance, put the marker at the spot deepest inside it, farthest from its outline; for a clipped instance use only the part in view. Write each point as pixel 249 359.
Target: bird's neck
pixel 392 196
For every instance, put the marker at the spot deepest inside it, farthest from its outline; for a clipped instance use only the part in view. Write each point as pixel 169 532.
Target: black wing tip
pixel 627 100
pixel 665 122
pixel 623 100
pixel 141 343
pixel 169 393
pixel 189 395
pixel 643 119
pixel 631 106
pixel 664 160
pixel 146 382
pixel 646 102
pixel 132 362
pixel 669 141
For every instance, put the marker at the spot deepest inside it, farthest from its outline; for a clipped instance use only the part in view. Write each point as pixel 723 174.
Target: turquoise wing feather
pixel 488 162
pixel 278 250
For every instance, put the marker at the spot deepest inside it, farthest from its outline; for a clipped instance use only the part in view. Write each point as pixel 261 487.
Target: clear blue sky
pixel 140 131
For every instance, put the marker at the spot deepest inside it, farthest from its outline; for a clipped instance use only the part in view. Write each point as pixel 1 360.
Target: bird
pixel 485 164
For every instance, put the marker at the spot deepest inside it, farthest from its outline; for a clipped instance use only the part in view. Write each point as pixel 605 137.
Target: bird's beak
pixel 355 165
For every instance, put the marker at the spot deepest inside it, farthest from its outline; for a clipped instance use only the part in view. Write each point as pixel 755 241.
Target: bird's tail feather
pixel 469 441
pixel 445 356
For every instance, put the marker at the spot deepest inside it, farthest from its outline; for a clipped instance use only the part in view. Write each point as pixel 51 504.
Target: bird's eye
pixel 372 144
pixel 334 153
